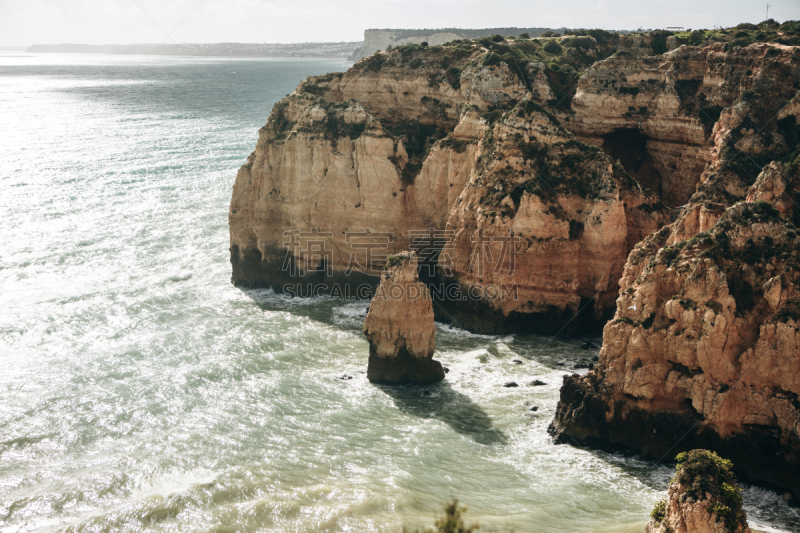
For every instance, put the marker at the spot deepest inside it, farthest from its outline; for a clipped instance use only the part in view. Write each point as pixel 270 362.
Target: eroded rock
pixel 705 344
pixel 400 327
pixel 703 497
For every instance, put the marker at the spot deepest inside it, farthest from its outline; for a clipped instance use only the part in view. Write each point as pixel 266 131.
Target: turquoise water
pixel 141 391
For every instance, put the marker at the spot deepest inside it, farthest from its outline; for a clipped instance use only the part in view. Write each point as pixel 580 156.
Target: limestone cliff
pixel 538 163
pixel 399 327
pixel 412 140
pixel 705 343
pixel 546 172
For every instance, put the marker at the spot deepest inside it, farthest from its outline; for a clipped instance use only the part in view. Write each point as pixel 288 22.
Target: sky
pixel 26 22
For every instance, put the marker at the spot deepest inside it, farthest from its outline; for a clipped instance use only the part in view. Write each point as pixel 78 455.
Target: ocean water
pixel 141 391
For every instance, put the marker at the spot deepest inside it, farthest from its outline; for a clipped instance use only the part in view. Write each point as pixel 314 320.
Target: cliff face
pixel 667 117
pixel 705 340
pixel 705 343
pixel 548 215
pixel 357 152
pixel 537 194
pixel 454 139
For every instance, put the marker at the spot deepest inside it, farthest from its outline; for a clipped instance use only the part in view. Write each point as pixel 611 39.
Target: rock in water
pixel 703 498
pixel 399 327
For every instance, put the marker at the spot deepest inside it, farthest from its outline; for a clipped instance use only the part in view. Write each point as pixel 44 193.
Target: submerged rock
pixel 703 498
pixel 400 328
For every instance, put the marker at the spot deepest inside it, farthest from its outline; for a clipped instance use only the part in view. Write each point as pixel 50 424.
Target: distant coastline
pixel 338 50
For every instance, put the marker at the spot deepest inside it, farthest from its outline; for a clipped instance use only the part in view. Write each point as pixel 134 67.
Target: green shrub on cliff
pixel 553 47
pixel 704 474
pixel 659 512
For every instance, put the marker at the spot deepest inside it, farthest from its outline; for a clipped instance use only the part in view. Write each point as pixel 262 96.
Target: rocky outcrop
pixel 705 343
pixel 399 327
pixel 531 199
pixel 703 497
pixel 347 155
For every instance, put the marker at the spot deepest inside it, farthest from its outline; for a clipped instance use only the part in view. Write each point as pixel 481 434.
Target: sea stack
pixel 400 328
pixel 703 498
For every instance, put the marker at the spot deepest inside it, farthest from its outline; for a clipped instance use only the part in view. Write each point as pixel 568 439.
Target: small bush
pixel 498 38
pixel 553 47
pixel 524 36
pixel 491 59
pixel 582 43
pixel 659 512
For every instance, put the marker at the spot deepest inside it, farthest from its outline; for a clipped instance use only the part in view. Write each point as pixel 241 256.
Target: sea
pixel 141 391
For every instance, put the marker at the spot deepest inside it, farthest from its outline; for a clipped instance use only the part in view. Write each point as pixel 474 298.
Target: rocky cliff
pixel 534 166
pixel 469 140
pixel 705 342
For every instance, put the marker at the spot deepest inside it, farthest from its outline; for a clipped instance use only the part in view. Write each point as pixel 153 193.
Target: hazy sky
pixel 25 22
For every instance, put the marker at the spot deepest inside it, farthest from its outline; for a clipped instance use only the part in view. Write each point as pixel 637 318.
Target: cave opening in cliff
pixel 629 147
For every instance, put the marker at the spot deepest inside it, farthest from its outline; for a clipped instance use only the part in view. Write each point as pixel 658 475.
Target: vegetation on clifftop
pixel 706 475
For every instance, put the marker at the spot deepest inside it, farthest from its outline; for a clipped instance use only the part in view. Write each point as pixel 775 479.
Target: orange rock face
pixel 457 140
pixel 705 343
pixel 557 233
pixel 703 349
pixel 400 329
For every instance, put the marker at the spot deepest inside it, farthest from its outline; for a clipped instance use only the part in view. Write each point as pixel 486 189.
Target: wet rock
pixel 536 383
pixel 511 384
pixel 534 408
pixel 446 370
pixel 345 377
pixel 516 362
pixel 581 364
